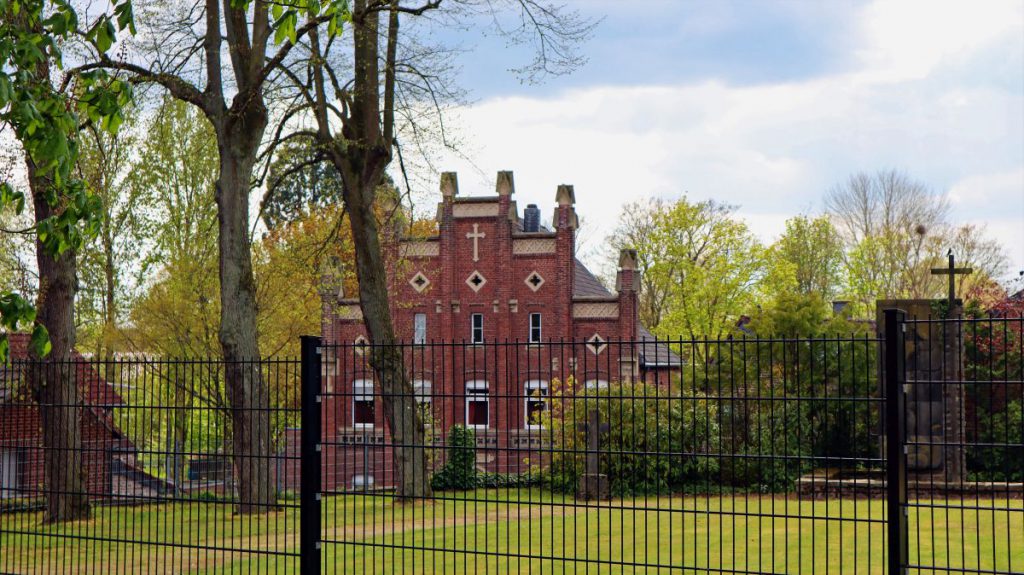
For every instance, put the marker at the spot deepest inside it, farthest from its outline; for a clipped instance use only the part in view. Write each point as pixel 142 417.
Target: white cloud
pixel 914 104
pixel 909 39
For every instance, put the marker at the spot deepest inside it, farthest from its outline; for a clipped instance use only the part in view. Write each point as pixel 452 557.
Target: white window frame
pixel 419 328
pixel 478 389
pixel 10 457
pixel 367 482
pixel 359 393
pixel 475 330
pixel 539 327
pixel 423 391
pixel 529 388
pixel 596 384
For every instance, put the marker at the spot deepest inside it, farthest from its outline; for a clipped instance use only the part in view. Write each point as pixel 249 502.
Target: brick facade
pixel 486 262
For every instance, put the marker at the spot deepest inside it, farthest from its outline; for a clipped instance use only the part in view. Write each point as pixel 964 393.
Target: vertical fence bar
pixel 309 485
pixel 895 438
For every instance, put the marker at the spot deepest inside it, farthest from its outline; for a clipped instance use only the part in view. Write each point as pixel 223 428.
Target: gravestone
pixel 593 484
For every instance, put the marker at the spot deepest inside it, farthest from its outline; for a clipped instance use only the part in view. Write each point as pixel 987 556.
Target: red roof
pixel 95 391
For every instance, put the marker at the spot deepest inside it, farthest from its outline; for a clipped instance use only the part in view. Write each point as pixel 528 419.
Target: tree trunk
pixel 409 456
pixel 110 299
pixel 176 432
pixel 53 378
pixel 361 161
pixel 247 393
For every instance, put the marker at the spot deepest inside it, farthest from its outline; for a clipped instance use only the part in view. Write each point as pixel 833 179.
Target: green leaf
pixel 102 34
pixel 125 16
pixel 40 341
pixel 5 348
pixel 285 27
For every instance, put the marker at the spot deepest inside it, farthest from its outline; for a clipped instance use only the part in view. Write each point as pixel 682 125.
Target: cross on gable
pixel 952 271
pixel 476 235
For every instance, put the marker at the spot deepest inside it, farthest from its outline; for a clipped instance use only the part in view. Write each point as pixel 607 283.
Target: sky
pixel 764 105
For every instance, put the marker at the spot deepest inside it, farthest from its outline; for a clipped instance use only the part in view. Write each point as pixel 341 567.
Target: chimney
pixel 531 219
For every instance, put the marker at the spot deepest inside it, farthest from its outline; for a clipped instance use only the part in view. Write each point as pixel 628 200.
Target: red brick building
pixel 496 309
pixel 21 454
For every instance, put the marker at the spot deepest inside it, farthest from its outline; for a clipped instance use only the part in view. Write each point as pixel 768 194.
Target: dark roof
pixel 587 285
pixel 95 391
pixel 655 353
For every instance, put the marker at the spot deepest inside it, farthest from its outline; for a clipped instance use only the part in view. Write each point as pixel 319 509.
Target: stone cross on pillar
pixel 593 484
pixel 952 271
pixel 954 460
pixel 476 235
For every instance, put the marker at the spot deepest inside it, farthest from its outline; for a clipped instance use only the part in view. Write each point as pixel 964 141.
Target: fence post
pixel 895 442
pixel 309 485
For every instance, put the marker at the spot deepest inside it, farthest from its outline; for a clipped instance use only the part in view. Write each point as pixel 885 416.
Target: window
pixel 596 384
pixel 535 331
pixel 362 482
pixel 422 390
pixel 362 403
pixel 476 334
pixel 477 408
pixel 419 328
pixel 536 402
pixel 8 473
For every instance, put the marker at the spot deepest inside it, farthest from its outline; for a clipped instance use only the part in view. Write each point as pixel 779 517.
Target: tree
pixel 257 37
pixel 300 179
pixel 361 96
pixel 290 265
pixel 46 119
pixel 711 268
pixel 815 251
pixel 113 263
pixel 636 230
pixel 176 171
pixel 896 230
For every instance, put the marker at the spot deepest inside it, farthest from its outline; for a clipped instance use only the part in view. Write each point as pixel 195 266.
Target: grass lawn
pixel 479 532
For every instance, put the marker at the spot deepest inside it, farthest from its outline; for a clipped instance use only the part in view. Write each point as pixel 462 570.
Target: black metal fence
pixel 157 469
pixel 900 454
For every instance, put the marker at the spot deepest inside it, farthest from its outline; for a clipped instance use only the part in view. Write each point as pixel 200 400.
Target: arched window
pixel 477 404
pixel 536 393
pixel 362 404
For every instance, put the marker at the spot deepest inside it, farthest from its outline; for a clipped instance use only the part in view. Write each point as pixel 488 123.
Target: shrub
pixel 506 480
pixel 1000 457
pixel 777 449
pixel 459 470
pixel 654 441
